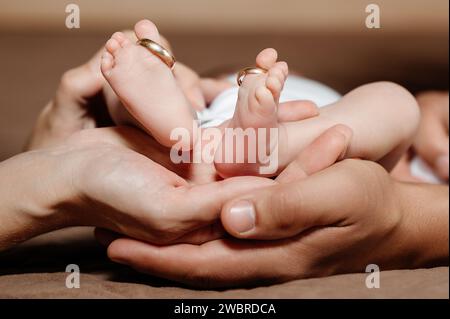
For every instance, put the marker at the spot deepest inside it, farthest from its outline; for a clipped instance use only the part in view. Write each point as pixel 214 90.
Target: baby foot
pixel 146 86
pixel 256 108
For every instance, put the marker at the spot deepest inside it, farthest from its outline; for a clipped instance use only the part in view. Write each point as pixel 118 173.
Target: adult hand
pixel 103 177
pixel 338 220
pixel 432 143
pixel 77 105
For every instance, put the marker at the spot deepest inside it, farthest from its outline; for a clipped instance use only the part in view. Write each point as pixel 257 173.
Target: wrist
pixel 425 223
pixel 32 197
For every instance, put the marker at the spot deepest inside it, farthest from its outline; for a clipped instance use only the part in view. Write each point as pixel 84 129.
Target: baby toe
pixel 107 62
pixel 121 38
pixel 274 84
pixel 147 29
pixel 283 66
pixel 265 102
pixel 266 58
pixel 112 46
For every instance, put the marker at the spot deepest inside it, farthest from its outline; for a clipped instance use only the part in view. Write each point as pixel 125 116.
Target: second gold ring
pixel 250 70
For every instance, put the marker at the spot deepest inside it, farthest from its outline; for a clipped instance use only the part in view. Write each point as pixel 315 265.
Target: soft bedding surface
pixel 37 270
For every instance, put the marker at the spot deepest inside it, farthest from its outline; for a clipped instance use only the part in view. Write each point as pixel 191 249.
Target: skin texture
pixel 369 219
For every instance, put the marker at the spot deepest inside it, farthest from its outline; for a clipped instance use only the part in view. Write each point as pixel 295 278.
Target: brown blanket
pixel 36 269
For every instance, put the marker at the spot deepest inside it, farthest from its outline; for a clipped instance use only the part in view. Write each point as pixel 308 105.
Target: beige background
pixel 228 15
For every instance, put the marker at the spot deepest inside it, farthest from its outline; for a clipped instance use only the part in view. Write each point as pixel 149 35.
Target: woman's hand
pixel 432 141
pixel 335 221
pixel 103 178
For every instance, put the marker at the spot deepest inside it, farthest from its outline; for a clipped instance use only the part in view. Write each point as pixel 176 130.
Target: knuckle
pixel 282 210
pixel 368 180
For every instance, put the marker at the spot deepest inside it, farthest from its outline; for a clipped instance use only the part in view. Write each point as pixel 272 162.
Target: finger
pixel 84 81
pixel 199 205
pixel 205 234
pixel 212 264
pixel 285 210
pixel 323 152
pixel 292 111
pixel 202 235
pixel 211 88
pixel 190 85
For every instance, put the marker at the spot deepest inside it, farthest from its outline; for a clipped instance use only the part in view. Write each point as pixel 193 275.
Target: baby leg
pixel 384 118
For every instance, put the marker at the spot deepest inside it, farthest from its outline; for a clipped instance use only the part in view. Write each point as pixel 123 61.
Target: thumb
pixel 285 210
pixel 278 211
pixel 83 81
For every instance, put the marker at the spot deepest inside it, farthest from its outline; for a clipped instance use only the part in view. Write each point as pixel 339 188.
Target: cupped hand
pixel 129 193
pixel 103 177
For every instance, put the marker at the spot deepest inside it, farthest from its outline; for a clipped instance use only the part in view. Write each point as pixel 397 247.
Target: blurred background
pixel 326 40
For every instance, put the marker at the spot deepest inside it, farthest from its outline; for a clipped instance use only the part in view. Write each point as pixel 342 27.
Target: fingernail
pixel 242 216
pixel 441 164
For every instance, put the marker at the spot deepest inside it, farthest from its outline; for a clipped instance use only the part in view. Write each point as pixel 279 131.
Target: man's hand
pixel 335 221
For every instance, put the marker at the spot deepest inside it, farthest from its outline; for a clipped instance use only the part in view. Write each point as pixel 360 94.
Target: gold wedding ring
pixel 250 70
pixel 162 53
